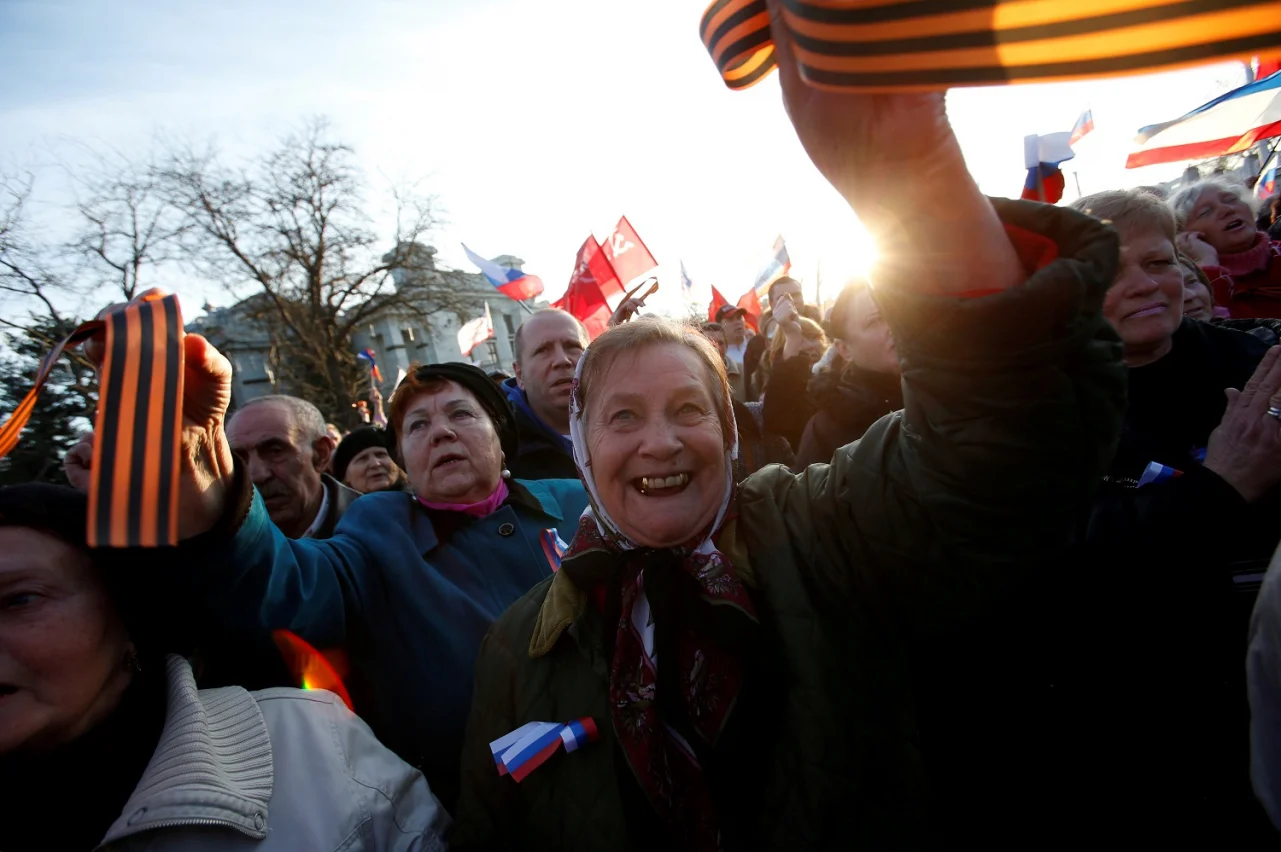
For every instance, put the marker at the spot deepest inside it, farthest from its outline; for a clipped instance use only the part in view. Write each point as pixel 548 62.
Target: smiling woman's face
pixel 62 644
pixel 451 450
pixel 1145 302
pixel 656 445
pixel 1224 219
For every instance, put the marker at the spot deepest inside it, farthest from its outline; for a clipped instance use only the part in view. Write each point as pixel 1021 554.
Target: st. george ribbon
pixel 133 490
pixel 922 45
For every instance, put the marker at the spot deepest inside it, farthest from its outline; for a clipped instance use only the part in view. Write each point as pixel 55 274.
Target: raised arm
pixel 250 577
pixel 1013 385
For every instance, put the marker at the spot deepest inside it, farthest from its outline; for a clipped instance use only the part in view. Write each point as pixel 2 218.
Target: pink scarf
pixel 477 510
pixel 1252 259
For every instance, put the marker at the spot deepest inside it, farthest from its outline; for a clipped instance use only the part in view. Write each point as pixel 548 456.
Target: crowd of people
pixel 976 556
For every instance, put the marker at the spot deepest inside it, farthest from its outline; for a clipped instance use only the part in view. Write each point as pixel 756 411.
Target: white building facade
pixel 399 338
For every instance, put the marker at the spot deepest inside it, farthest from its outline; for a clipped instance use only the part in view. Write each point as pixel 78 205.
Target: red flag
pixel 717 301
pixel 1268 65
pixel 586 296
pixel 751 303
pixel 626 253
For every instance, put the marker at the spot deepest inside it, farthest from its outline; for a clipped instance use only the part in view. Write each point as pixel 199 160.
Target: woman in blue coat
pixel 409 583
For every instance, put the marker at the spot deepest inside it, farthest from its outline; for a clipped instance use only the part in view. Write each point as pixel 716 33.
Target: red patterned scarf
pixel 680 612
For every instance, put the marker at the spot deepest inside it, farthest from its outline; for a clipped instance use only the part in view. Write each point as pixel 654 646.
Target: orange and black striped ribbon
pixel 917 45
pixel 133 491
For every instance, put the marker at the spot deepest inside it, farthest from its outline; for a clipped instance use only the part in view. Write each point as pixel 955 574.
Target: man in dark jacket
pixel 548 346
pixel 285 445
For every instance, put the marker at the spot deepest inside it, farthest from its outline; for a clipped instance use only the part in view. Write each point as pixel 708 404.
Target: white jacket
pixel 281 770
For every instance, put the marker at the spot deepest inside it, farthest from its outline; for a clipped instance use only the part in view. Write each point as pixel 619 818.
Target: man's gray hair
pixel 307 417
pixel 1186 198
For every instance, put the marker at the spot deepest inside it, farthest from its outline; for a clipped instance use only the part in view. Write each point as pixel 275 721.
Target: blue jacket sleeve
pixel 259 579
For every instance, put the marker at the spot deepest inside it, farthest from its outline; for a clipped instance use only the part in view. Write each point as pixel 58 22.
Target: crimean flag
pixel 627 253
pixel 909 45
pixel 133 487
pixel 512 283
pixel 368 356
pixel 1229 124
pixel 1084 124
pixel 585 297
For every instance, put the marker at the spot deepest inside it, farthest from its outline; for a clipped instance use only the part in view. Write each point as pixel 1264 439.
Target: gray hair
pixel 1185 199
pixel 1129 209
pixel 306 417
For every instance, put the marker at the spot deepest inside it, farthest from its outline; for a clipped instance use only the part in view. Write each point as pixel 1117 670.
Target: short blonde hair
pixel 1129 210
pixel 1186 198
pixel 649 331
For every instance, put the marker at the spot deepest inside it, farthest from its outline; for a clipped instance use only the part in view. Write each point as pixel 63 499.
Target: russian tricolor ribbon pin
pixel 1157 472
pixel 528 747
pixel 553 548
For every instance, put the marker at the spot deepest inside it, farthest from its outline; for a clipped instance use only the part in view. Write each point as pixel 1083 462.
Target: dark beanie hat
pixel 140 581
pixel 488 394
pixel 57 509
pixel 356 442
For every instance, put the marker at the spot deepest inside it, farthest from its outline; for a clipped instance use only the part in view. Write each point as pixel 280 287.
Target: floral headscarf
pixel 682 602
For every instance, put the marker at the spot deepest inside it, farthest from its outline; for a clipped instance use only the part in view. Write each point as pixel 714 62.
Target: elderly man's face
pixel 550 345
pixel 283 465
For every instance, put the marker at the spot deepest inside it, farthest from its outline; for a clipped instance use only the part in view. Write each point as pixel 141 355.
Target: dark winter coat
pixel 543 453
pixel 847 406
pixel 907 533
pixel 1107 697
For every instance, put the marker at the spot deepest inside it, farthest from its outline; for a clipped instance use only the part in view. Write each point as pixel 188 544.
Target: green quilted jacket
pixel 1012 408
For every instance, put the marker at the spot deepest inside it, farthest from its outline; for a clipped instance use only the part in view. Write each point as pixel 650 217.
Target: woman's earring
pixel 132 663
pixel 507 474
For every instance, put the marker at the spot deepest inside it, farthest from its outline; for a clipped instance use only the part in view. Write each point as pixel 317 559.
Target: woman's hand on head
pixel 207 466
pixel 1245 449
pixel 1193 245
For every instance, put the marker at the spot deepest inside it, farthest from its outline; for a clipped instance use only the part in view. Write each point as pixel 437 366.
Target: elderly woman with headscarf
pixel 740 654
pixel 409 583
pixel 105 742
pixel 363 461
pixel 1217 222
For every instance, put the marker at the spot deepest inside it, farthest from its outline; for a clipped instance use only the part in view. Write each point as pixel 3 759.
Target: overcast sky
pixel 534 123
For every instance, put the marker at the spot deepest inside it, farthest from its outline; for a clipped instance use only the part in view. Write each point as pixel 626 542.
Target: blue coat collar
pixel 530 495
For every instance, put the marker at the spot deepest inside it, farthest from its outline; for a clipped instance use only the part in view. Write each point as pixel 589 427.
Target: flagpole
pixel 1076 176
pixel 527 308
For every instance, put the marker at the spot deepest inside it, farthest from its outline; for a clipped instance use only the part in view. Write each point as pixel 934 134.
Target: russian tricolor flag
pixel 1268 181
pixel 1084 124
pixel 512 283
